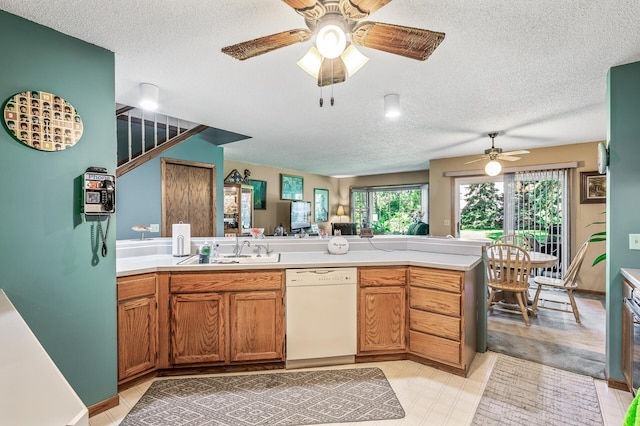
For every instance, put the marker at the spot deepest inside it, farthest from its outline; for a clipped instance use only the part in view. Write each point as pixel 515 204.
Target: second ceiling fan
pixel 493 167
pixel 333 56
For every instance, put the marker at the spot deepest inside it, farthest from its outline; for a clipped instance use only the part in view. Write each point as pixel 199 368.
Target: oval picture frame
pixel 42 120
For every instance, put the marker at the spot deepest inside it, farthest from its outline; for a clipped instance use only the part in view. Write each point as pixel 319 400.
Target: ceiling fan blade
pixel 311 10
pixel 332 71
pixel 508 157
pixel 474 161
pixel 258 46
pixel 414 43
pixel 518 152
pixel 360 9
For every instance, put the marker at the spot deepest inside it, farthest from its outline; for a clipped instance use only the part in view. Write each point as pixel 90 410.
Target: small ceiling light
pixel 353 59
pixel 493 168
pixel 392 105
pixel 311 62
pixel 149 95
pixel 331 39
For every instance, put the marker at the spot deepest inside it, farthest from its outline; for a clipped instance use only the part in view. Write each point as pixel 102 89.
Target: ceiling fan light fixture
pixel 311 62
pixel 331 39
pixel 149 95
pixel 493 168
pixel 353 59
pixel 392 105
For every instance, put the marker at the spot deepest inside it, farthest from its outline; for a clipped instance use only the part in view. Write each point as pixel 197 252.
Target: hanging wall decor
pixel 42 120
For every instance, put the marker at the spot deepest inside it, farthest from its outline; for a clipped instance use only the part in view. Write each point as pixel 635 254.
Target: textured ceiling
pixel 533 70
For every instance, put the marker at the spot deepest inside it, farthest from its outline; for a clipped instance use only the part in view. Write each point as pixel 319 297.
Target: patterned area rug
pixel 520 392
pixel 291 398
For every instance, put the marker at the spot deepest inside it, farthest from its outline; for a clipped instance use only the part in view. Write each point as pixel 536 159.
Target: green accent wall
pixel 623 197
pixel 139 195
pixel 64 290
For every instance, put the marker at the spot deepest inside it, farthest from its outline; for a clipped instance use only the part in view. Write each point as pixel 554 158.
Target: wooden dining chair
pixel 514 239
pixel 569 282
pixel 508 271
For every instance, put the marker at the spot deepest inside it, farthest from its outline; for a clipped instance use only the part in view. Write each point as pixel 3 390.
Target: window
pixel 389 209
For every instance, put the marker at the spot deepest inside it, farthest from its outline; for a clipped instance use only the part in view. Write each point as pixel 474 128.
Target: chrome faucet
pixel 237 250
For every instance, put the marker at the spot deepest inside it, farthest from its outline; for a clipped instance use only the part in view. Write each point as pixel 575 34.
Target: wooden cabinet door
pixel 256 326
pixel 137 333
pixel 381 320
pixel 197 328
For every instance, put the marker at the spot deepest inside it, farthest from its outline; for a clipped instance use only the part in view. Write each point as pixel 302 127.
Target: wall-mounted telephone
pixel 99 189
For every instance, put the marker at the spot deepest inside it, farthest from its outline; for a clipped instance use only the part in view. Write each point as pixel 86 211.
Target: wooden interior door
pixel 189 196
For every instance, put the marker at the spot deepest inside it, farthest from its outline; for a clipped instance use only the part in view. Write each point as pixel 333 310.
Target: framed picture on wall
pixel 593 187
pixel 320 205
pixel 291 187
pixel 259 194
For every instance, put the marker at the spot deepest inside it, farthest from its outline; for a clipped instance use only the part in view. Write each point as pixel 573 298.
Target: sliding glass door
pixel 531 203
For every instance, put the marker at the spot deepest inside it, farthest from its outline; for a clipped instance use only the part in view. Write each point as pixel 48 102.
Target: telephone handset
pixel 99 198
pixel 99 190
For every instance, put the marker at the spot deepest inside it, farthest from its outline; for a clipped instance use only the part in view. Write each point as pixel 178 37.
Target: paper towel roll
pixel 181 239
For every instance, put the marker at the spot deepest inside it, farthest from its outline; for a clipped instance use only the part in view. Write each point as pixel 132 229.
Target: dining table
pixel 537 260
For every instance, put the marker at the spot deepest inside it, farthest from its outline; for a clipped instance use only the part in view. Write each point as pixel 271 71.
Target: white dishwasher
pixel 321 316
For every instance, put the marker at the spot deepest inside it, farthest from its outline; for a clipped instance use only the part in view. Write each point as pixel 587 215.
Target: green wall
pixel 623 197
pixel 138 198
pixel 65 293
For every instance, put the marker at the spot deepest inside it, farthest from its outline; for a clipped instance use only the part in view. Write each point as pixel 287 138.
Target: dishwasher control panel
pixel 321 276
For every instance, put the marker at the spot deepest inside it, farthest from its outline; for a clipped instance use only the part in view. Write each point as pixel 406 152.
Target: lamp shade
pixel 392 105
pixel 340 211
pixel 149 95
pixel 493 168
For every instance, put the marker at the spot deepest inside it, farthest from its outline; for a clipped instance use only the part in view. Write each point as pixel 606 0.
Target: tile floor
pixel 428 396
pixel 432 397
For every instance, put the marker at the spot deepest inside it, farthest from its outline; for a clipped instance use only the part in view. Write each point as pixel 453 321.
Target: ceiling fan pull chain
pixel 332 83
pixel 320 80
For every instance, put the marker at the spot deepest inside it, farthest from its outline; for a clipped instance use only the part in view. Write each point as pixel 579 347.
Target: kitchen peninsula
pixel 416 299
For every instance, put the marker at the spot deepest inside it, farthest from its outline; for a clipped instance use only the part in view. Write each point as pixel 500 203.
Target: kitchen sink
pixel 230 258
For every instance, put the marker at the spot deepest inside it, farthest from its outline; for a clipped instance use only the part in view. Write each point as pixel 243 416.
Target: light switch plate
pixel 634 241
pixel 447 222
pixel 154 227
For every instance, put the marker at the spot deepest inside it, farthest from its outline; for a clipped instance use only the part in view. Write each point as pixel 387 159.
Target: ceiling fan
pixel 333 56
pixel 493 167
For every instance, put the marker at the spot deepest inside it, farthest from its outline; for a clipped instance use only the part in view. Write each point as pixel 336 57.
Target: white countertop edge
pixel 167 263
pixel 633 275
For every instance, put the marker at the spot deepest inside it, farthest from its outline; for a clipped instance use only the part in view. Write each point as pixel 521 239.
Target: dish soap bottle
pixel 214 253
pixel 205 251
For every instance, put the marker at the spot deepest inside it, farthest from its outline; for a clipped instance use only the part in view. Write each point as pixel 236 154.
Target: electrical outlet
pixel 154 227
pixel 634 241
pixel 447 222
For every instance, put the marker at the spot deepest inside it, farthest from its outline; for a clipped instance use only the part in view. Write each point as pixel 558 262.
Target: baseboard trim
pixel 105 405
pixel 617 384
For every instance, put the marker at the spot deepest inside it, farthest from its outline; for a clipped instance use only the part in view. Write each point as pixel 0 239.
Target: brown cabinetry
pixel 137 325
pixel 628 335
pixel 382 310
pixel 226 317
pixel 441 316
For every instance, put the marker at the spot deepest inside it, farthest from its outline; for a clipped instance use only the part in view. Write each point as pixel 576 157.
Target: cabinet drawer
pixel 436 279
pixel 434 347
pixel 382 276
pixel 136 286
pixel 434 301
pixel 436 324
pixel 226 281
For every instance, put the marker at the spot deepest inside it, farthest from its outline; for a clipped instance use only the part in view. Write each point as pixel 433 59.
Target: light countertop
pixel 633 275
pixel 460 256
